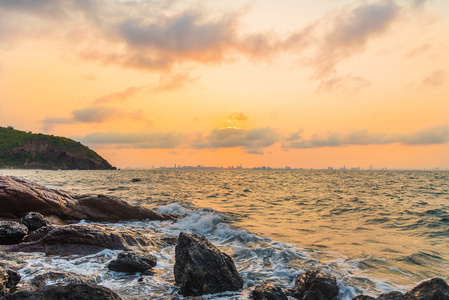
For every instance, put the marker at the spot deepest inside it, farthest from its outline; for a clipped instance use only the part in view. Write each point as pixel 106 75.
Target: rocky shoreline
pixel 39 219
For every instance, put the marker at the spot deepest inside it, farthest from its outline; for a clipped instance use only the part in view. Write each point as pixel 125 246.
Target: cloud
pixel 349 85
pixel 436 79
pixel 135 140
pixel 174 82
pixel 427 136
pixel 120 96
pixel 251 140
pixel 161 36
pixel 93 114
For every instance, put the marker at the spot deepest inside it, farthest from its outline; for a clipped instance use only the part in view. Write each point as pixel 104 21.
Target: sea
pixel 375 231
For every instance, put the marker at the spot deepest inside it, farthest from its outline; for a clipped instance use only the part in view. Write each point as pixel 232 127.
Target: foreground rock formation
pixel 200 268
pixel 129 261
pixel 19 196
pixel 268 291
pixel 314 285
pixel 79 239
pixel 74 291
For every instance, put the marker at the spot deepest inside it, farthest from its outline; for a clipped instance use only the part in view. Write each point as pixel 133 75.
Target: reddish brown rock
pixel 19 196
pixel 80 239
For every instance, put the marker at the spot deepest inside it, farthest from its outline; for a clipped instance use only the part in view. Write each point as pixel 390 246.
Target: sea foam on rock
pixel 200 268
pixel 433 289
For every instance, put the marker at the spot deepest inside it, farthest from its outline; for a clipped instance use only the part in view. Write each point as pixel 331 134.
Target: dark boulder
pixel 391 296
pixel 44 279
pixel 268 291
pixel 129 261
pixel 8 280
pixel 80 239
pixel 19 196
pixel 200 268
pixel 81 291
pixel 315 285
pixel 33 221
pixel 433 289
pixel 12 232
pixel 363 297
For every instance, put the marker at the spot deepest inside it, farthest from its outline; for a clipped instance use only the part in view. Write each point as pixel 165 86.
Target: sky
pixel 304 84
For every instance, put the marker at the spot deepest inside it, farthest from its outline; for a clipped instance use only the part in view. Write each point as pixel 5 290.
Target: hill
pixel 26 150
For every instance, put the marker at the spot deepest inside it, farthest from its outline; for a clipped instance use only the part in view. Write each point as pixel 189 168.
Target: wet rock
pixel 11 261
pixel 82 291
pixel 33 221
pixel 268 291
pixel 19 196
pixel 433 289
pixel 12 232
pixel 315 285
pixel 391 296
pixel 45 279
pixel 80 239
pixel 200 268
pixel 363 297
pixel 129 261
pixel 8 280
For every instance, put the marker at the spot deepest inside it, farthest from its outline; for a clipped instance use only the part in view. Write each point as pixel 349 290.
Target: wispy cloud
pixel 173 82
pixel 427 136
pixel 436 79
pixel 251 140
pixel 93 114
pixel 135 140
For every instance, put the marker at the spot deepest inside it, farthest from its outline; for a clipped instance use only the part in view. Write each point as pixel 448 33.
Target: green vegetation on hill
pixel 20 149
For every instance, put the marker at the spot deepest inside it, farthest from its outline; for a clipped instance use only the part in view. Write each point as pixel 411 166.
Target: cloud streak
pixel 135 140
pixel 423 137
pixel 93 114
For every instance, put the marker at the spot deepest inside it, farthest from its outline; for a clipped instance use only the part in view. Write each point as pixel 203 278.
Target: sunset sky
pixel 305 84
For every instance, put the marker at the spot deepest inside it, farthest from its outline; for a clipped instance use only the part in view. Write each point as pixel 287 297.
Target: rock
pixel 80 239
pixel 11 261
pixel 12 232
pixel 433 289
pixel 315 285
pixel 19 196
pixel 136 180
pixel 267 291
pixel 33 221
pixel 8 280
pixel 363 297
pixel 43 280
pixel 200 268
pixel 129 261
pixel 391 296
pixel 81 291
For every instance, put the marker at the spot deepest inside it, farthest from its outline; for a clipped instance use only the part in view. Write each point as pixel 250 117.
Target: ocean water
pixel 375 231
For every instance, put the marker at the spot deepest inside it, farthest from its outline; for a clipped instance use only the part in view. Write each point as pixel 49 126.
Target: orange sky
pixel 274 83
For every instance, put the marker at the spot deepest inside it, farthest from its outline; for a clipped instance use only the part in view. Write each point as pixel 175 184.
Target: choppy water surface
pixel 374 231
